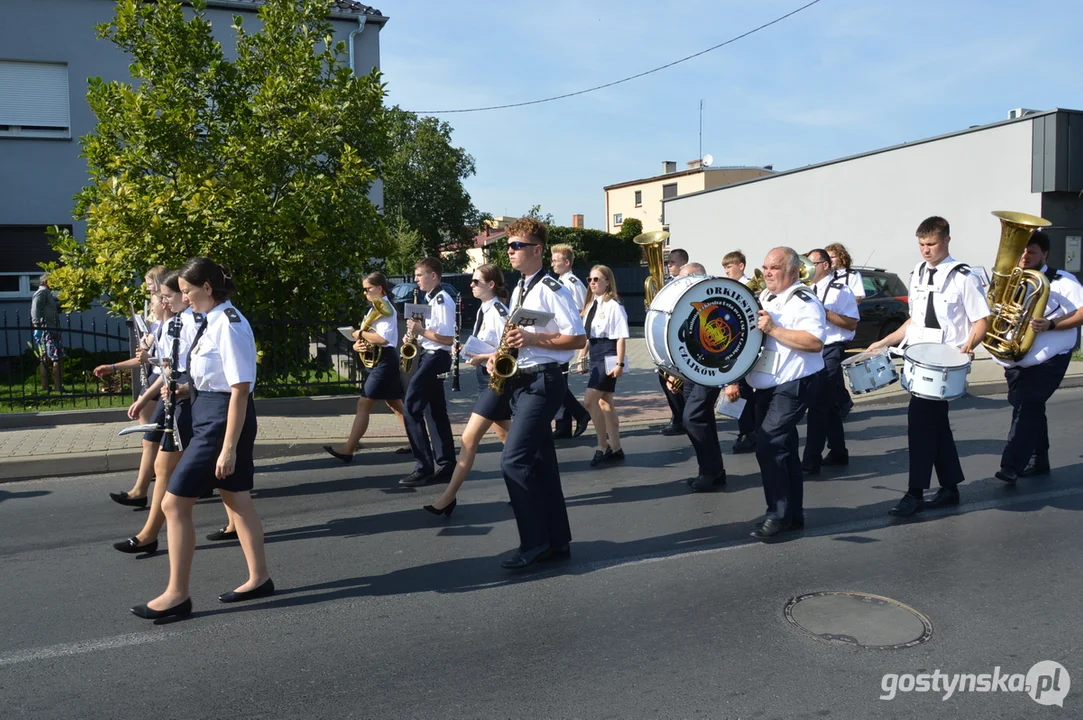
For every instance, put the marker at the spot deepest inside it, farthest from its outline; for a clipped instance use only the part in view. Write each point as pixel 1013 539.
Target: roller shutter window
pixel 34 99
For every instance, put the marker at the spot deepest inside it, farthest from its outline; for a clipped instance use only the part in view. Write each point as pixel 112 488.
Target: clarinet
pixel 456 347
pixel 170 437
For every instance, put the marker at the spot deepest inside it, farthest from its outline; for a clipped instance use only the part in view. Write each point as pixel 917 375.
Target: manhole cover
pixel 859 619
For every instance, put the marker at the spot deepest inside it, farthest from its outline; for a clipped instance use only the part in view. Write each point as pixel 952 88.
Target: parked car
pixel 884 308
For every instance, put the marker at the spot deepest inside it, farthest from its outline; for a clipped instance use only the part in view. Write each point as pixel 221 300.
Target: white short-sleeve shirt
pixel 441 321
pixel 388 327
pixel 188 329
pixel 610 320
pixel 958 299
pixel 549 296
pixel 795 308
pixel 494 316
pixel 225 354
pixel 853 280
pixel 1065 297
pixel 576 287
pixel 839 299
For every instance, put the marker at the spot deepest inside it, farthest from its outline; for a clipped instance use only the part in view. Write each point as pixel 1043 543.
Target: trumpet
pixel 370 356
pixel 408 351
pixel 505 361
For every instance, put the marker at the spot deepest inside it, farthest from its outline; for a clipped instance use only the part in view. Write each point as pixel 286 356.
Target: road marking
pixel 80 648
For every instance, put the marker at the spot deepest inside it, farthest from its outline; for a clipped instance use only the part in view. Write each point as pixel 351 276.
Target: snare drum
pixel 704 329
pixel 935 371
pixel 870 372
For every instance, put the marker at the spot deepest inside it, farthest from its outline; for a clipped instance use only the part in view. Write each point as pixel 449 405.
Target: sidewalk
pixel 304 426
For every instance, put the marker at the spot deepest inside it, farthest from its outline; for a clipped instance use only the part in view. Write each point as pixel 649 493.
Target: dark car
pixel 884 308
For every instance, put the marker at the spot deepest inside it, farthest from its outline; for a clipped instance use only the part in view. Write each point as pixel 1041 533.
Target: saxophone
pixel 1016 295
pixel 380 309
pixel 505 361
pixel 408 351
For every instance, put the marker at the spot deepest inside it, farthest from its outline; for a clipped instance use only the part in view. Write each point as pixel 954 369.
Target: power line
pixel 623 80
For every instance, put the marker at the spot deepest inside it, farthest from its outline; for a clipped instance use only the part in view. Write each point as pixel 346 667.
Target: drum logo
pixel 715 333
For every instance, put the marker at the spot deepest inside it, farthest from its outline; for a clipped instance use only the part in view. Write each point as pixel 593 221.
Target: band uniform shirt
pixel 225 354
pixel 610 321
pixel 795 308
pixel 958 300
pixel 549 296
pixel 745 280
pixel 441 320
pixel 1065 297
pixel 388 327
pixel 162 345
pixel 837 297
pixel 189 327
pixel 853 280
pixel 575 287
pixel 494 316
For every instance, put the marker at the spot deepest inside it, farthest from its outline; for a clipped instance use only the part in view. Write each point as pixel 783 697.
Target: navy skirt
pixel 490 405
pixel 384 382
pixel 194 475
pixel 599 349
pixel 182 421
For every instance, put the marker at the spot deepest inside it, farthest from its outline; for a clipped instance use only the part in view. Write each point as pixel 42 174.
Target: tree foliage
pixel 263 163
pixel 630 228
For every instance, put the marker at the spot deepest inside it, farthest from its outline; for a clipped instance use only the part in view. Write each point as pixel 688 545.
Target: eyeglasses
pixel 595 279
pixel 370 289
pixel 520 245
pixel 474 282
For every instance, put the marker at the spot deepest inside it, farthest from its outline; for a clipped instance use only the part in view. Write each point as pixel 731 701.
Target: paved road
pixel 665 611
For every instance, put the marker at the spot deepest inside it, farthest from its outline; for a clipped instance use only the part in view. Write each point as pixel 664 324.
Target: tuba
pixel 380 309
pixel 758 283
pixel 806 272
pixel 1016 295
pixel 652 246
pixel 505 361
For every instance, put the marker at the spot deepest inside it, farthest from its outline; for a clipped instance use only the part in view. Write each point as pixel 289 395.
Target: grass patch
pixel 1077 355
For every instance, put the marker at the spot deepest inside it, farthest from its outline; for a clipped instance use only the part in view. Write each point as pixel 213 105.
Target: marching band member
pixel 699 421
pixel 222 371
pixel 607 330
pixel 529 462
pixel 785 378
pixel 383 381
pixel 675 260
pixel 426 388
pixel 562 258
pixel 947 305
pixel 1034 379
pixel 734 265
pixel 176 304
pixel 840 265
pixel 491 408
pixel 825 408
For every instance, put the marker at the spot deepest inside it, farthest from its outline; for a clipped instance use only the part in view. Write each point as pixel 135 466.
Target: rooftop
pixel 682 173
pixel 339 8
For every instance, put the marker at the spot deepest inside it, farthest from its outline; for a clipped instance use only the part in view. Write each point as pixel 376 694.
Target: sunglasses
pixel 595 279
pixel 520 245
pixel 474 282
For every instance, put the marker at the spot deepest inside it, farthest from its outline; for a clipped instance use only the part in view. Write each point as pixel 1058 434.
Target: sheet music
pixel 611 364
pixel 529 318
pixel 473 346
pixel 348 332
pixel 417 311
pixel 730 409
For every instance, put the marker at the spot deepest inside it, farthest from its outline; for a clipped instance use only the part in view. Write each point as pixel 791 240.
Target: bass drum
pixel 704 329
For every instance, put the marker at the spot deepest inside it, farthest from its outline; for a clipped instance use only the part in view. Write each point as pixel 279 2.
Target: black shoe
pixel 810 469
pixel 745 444
pixel 563 433
pixel 770 529
pixel 1007 475
pixel 561 552
pixel 1035 468
pixel 341 456
pixel 845 410
pixel 599 458
pixel 181 609
pixel 945 497
pixel 909 505
pixel 671 430
pixel 223 534
pixel 581 426
pixel 706 483
pixel 132 546
pixel 404 450
pixel 444 474
pixel 121 498
pixel 834 458
pixel 614 456
pixel 417 477
pixel 525 558
pixel 797 523
pixel 267 588
pixel 446 510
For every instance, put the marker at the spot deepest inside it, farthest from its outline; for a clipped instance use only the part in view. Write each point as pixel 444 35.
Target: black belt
pixel 535 369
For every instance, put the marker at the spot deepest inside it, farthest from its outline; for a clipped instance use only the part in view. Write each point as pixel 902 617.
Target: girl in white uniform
pixel 222 370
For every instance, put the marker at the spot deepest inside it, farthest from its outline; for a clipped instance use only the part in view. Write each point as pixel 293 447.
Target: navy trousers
pixel 746 424
pixel 932 444
pixel 676 403
pixel 699 423
pixel 1028 390
pixel 529 462
pixel 426 392
pixel 825 410
pixel 570 409
pixel 778 412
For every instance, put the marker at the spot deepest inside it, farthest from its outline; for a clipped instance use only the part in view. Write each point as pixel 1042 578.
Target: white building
pixel 873 202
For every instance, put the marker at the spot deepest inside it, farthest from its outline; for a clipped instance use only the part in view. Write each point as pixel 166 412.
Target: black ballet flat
pixel 267 588
pixel 121 498
pixel 341 456
pixel 223 534
pixel 132 546
pixel 182 609
pixel 446 510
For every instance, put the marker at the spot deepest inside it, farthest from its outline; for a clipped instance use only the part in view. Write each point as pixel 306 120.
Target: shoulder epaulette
pixel 198 317
pixel 232 314
pixel 575 279
pixel 501 310
pixel 552 284
pixel 440 298
pixel 805 295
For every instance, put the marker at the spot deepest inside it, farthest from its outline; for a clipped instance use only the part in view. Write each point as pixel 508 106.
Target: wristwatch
pixel 620 364
pixel 1052 324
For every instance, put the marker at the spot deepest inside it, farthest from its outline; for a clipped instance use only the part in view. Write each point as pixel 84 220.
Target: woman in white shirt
pixel 383 381
pixel 491 408
pixel 606 323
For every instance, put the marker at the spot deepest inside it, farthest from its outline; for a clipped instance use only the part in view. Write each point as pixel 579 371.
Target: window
pixel 34 100
pixel 22 248
pixel 18 285
pixel 618 218
pixel 669 191
pixel 639 198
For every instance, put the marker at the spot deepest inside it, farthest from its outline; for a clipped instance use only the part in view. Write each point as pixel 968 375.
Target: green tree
pixel 423 182
pixel 263 163
pixel 630 228
pixel 404 247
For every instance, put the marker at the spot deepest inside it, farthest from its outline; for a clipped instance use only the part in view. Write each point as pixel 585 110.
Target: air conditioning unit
pixel 1020 112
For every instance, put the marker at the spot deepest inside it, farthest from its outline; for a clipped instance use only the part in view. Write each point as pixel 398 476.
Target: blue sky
pixel 842 77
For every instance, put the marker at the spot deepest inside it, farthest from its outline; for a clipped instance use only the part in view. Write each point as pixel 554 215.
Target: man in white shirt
pixel 562 256
pixel 529 462
pixel 825 409
pixel 948 306
pixel 785 378
pixel 1033 379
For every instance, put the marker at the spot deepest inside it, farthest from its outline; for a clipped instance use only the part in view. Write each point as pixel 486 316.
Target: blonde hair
pixel 565 250
pixel 611 290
